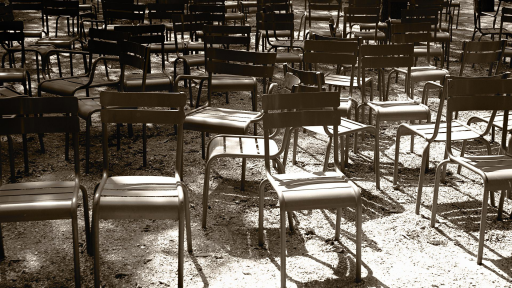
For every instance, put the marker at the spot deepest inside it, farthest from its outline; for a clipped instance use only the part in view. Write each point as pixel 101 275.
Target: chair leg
pixel 439 171
pixel 283 247
pixel 181 247
pixel 2 252
pixel 88 239
pixel 261 241
pixel 96 236
pixel 25 153
pixel 483 223
pixel 295 140
pixel 359 231
pixel 338 223
pixel 462 151
pixel 11 157
pixel 244 166
pixel 88 142
pixel 327 152
pixel 76 252
pixel 144 146
pixel 206 191
pixel 290 221
pixel 202 145
pixel 397 155
pixel 376 159
pixel 187 220
pixel 500 207
pixel 424 165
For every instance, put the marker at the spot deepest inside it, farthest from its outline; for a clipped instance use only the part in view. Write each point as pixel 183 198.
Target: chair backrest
pixel 103 41
pixel 135 55
pixel 10 33
pixel 23 5
pixel 6 13
pixel 402 33
pixel 506 17
pixel 63 119
pixel 478 94
pixel 191 24
pixel 137 107
pixel 325 5
pixel 61 8
pixel 242 63
pixel 276 6
pixel 364 3
pixel 277 22
pixel 146 34
pixel 227 35
pixel 359 15
pixel 164 11
pixel 392 9
pixel 385 56
pixel 309 78
pixel 300 109
pixel 476 52
pixel 123 10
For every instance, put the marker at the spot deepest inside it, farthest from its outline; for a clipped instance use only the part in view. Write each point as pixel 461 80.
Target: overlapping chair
pixel 326 11
pixel 44 200
pixel 142 197
pixel 332 188
pixel 363 15
pixel 272 24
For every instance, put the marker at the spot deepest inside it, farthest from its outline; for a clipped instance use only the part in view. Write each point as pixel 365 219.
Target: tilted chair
pixel 470 94
pixel 45 200
pixel 142 197
pixel 322 10
pixel 304 191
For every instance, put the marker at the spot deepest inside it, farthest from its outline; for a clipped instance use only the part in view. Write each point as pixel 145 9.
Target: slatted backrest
pixel 395 7
pixel 364 3
pixel 114 10
pixel 135 55
pixel 361 15
pixel 58 8
pixel 330 52
pixel 191 22
pixel 506 17
pixel 478 94
pixel 164 11
pixel 277 6
pixel 28 106
pixel 11 31
pixel 142 107
pixel 103 41
pixel 302 109
pixel 420 15
pixel 402 33
pixel 277 22
pixel 309 78
pixel 21 5
pixel 324 5
pixel 243 63
pixel 227 35
pixel 387 56
pixel 6 13
pixel 476 52
pixel 144 34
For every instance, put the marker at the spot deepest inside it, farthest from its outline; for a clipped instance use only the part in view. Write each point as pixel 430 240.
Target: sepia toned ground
pixel 400 249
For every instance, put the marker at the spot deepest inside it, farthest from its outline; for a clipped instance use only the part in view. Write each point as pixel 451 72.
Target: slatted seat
pixel 220 120
pixel 44 200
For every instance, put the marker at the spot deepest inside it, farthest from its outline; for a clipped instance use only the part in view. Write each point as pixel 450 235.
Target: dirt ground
pixel 400 249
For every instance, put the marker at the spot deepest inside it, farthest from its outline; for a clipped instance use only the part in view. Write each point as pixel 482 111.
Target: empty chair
pixel 142 197
pixel 304 191
pixel 470 94
pixel 44 200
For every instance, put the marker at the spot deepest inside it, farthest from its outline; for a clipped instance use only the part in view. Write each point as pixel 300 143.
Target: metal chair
pixel 142 197
pixel 50 200
pixel 304 191
pixel 470 94
pixel 327 11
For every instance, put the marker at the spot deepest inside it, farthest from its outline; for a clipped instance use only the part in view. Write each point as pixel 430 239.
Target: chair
pixel 506 17
pixel 163 10
pixel 216 7
pixel 50 200
pixel 414 33
pixel 488 52
pixel 67 9
pixel 246 67
pixel 122 10
pixel 389 56
pixel 142 197
pixel 436 132
pixel 478 14
pixel 363 15
pixel 271 6
pixel 332 189
pixel 470 94
pixel 31 5
pixel 452 5
pixel 322 10
pixel 382 26
pixel 283 22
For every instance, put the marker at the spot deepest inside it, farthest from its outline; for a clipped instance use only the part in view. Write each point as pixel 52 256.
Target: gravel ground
pixel 400 249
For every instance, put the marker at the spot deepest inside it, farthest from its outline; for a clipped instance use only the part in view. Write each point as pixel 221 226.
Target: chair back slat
pixel 26 5
pixel 387 62
pixel 58 8
pixel 142 116
pixel 301 118
pixel 134 99
pixel 239 69
pixel 25 125
pixel 103 41
pixel 313 100
pixel 482 52
pixel 11 31
pixel 256 58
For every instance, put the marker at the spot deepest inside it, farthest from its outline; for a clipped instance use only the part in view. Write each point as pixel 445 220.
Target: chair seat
pixel 346 127
pixel 342 80
pixel 240 147
pixel 234 16
pixel 195 46
pixel 139 197
pixel 63 43
pixel 219 120
pixel 288 58
pixel 13 74
pixel 368 26
pixel 279 33
pixel 68 86
pixel 498 121
pixel 460 131
pixel 231 5
pixel 319 16
pixel 169 47
pixel 193 59
pixel 318 190
pixel 426 73
pixel 33 201
pixel 400 110
pixel 33 33
pixel 6 92
pixel 370 35
pixel 497 169
pixel 41 49
pixel 154 82
pixel 225 82
pixel 442 36
pixel 87 106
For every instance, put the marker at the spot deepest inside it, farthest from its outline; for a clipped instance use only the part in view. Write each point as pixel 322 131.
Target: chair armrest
pixel 95 63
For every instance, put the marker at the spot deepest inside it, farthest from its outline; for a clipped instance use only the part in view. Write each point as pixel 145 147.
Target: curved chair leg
pixel 483 223
pixel 376 160
pixel 88 141
pixel 359 232
pixel 283 246
pixel 187 220
pixel 295 140
pixel 424 165
pixel 327 152
pixel 338 223
pixel 500 207
pixel 206 191
pixel 25 153
pixel 441 167
pixel 397 155
pixel 76 252
pixel 462 152
pixel 86 222
pixel 11 157
pixel 261 241
pixel 96 236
